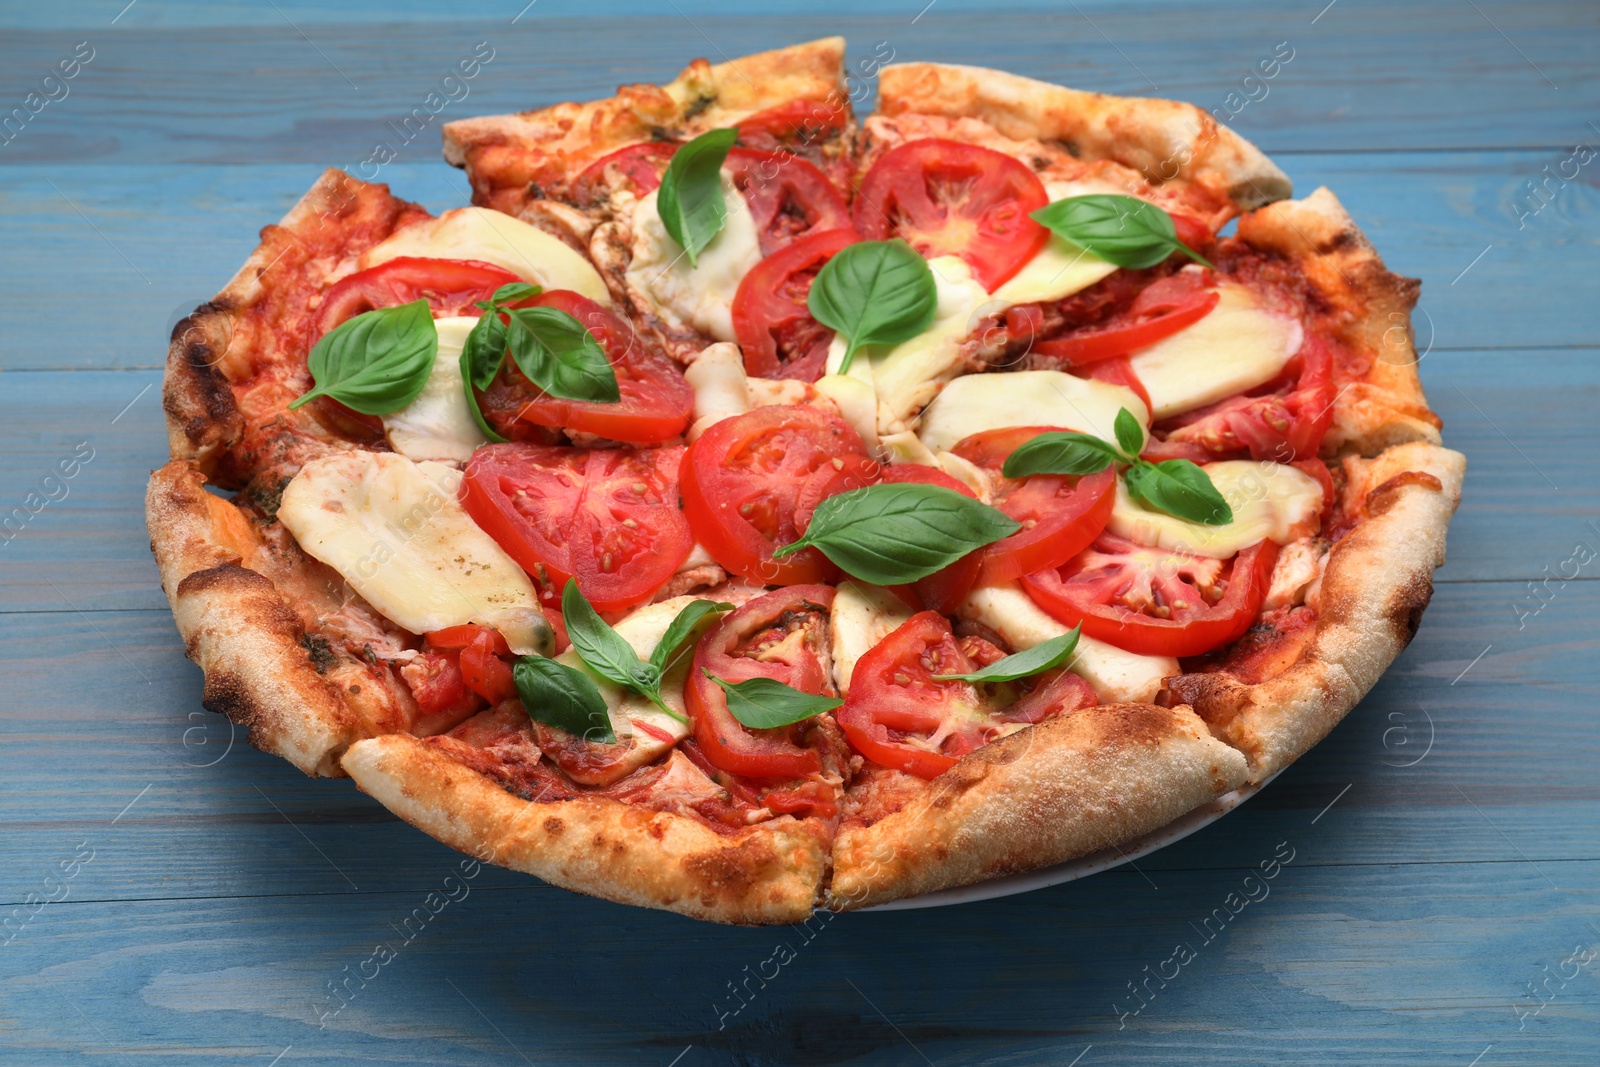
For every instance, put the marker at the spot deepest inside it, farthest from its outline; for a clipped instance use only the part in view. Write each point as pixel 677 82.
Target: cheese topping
pixel 1238 346
pixel 1115 674
pixel 862 615
pixel 699 296
pixel 1061 268
pixel 980 402
pixel 395 531
pixel 503 240
pixel 438 424
pixel 1268 500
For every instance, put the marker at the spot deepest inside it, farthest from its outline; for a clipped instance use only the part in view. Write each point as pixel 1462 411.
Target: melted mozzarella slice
pixel 700 296
pixel 857 404
pixel 438 424
pixel 994 401
pixel 721 389
pixel 862 615
pixel 906 376
pixel 394 530
pixel 1268 500
pixel 1115 674
pixel 633 718
pixel 503 240
pixel 1238 346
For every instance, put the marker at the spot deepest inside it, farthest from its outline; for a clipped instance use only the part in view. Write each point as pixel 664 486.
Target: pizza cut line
pixel 741 508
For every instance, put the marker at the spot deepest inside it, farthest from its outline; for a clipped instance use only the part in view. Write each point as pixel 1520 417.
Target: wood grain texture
pixel 1445 838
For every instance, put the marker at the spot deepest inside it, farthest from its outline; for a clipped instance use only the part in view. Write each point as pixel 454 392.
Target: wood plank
pixel 1292 978
pixel 90 549
pixel 269 92
pixel 1440 771
pixel 1431 214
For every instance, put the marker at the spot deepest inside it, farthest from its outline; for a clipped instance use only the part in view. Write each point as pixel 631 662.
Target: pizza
pixel 742 508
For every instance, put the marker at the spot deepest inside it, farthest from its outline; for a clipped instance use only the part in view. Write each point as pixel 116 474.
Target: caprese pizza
pixel 740 509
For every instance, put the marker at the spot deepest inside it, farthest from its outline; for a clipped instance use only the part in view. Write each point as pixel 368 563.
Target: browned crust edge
pixel 606 848
pixel 1165 140
pixel 1371 307
pixel 1065 788
pixel 239 629
pixel 552 144
pixel 1378 581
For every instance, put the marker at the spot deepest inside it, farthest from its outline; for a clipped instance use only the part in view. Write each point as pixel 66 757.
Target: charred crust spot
pixel 732 872
pixel 1385 496
pixel 554 826
pixel 1409 602
pixel 227 694
pixel 322 656
pixel 1134 724
pixel 1214 697
pixel 222 576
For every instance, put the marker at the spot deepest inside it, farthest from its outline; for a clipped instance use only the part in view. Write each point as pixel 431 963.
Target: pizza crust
pixel 1064 788
pixel 1378 581
pixel 768 873
pixel 1163 140
pixel 1380 402
pixel 515 161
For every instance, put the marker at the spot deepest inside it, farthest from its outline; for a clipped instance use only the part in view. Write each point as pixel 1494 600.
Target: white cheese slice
pixel 857 403
pixel 720 386
pixel 993 401
pixel 503 240
pixel 862 616
pixel 906 376
pixel 700 296
pixel 1238 346
pixel 1114 673
pixel 642 630
pixel 1057 270
pixel 1268 501
pixel 395 531
pixel 438 424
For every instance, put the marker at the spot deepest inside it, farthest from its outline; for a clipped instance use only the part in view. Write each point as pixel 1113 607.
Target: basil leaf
pixel 1179 487
pixel 560 356
pixel 377 362
pixel 512 292
pixel 1119 229
pixel 901 532
pixel 763 703
pixel 690 201
pixel 681 628
pixel 601 648
pixel 1059 452
pixel 467 370
pixel 1130 435
pixel 564 697
pixel 874 293
pixel 1039 658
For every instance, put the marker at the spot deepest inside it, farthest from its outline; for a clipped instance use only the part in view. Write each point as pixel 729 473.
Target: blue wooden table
pixel 168 895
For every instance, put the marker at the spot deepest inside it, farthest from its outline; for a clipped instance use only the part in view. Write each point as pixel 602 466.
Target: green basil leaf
pixel 1130 435
pixel 564 697
pixel 376 363
pixel 1179 487
pixel 1119 229
pixel 560 356
pixel 764 703
pixel 681 628
pixel 901 532
pixel 1039 658
pixel 512 292
pixel 1059 452
pixel 484 351
pixel 602 649
pixel 472 396
pixel 874 293
pixel 690 201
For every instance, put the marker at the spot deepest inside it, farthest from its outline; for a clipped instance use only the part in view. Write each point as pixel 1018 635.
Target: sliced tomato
pixel 459 637
pixel 1283 421
pixel 789 197
pixel 776 332
pixel 1155 601
pixel 781 635
pixel 1160 310
pixel 1061 515
pixel 952 199
pixel 437 686
pixel 741 482
pixel 607 517
pixel 798 123
pixel 637 167
pixel 450 286
pixel 657 402
pixel 899 716
pixel 484 672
